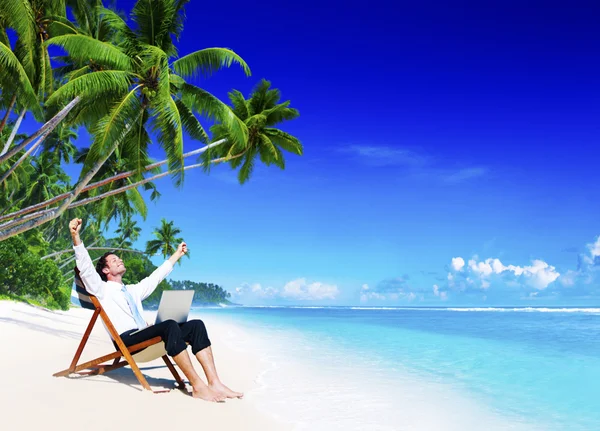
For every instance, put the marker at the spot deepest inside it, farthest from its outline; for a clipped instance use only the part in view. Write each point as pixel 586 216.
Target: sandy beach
pixel 37 343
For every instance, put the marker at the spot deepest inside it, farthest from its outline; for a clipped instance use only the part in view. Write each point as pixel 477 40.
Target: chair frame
pixel 96 366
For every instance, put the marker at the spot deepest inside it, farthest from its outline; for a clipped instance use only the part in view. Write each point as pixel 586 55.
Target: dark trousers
pixel 175 335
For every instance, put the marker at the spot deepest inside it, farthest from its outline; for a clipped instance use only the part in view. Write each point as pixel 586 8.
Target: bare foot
pixel 207 394
pixel 220 388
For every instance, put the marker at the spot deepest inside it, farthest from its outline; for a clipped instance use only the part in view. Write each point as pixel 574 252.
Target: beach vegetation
pixel 80 68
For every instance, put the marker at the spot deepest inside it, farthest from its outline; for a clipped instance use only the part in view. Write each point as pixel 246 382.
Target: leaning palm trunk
pixel 98 184
pixel 14 131
pixel 57 253
pixel 24 156
pixel 17 226
pixel 45 129
pixel 8 111
pixel 42 214
pixel 146 180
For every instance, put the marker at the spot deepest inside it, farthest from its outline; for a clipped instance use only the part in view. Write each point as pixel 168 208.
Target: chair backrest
pixel 80 296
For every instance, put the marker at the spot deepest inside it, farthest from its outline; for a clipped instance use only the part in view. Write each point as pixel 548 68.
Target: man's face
pixel 114 266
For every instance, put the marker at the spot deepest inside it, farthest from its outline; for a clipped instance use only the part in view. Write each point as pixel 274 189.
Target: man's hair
pixel 101 264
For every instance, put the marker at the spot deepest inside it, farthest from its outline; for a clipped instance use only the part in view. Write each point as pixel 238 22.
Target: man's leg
pixel 199 388
pixel 176 347
pixel 194 332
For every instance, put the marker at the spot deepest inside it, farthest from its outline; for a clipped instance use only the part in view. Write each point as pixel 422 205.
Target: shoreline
pixel 40 342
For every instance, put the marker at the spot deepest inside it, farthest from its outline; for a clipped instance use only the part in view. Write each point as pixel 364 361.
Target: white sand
pixel 35 343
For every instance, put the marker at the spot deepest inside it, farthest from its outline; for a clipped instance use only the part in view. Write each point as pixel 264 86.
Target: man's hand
pixel 182 249
pixel 74 228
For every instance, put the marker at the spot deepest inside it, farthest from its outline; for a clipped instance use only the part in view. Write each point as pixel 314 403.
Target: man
pixel 123 304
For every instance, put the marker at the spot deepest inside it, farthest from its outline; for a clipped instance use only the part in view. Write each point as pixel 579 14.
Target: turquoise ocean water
pixel 425 368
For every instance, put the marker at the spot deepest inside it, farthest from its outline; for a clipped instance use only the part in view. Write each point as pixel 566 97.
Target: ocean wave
pixel 529 309
pixel 586 310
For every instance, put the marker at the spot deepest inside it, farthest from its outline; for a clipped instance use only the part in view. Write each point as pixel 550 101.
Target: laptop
pixel 174 305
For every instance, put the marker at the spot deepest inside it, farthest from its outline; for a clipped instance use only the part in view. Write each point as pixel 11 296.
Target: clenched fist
pixel 182 248
pixel 75 226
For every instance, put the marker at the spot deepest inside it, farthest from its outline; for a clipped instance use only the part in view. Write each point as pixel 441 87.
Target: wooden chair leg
pixel 85 338
pixel 173 371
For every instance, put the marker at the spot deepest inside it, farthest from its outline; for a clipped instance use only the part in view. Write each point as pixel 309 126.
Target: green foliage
pixel 166 241
pixel 204 293
pixel 138 268
pixel 27 277
pixel 259 114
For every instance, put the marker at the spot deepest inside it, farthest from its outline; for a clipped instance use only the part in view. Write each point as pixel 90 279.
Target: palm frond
pixel 205 103
pixel 285 140
pixel 92 86
pixel 206 61
pixel 149 16
pixel 190 123
pixel 12 74
pixel 168 127
pixel 135 145
pixel 69 76
pixel 4 36
pixel 58 26
pixel 247 167
pixel 123 34
pixel 113 127
pixel 280 113
pixel 83 48
pixel 240 104
pixel 263 98
pixel 19 15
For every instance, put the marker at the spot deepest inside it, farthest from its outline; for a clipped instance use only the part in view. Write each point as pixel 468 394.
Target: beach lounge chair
pixel 138 353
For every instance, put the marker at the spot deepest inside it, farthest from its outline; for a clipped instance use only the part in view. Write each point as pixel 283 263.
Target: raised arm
pixel 87 271
pixel 149 284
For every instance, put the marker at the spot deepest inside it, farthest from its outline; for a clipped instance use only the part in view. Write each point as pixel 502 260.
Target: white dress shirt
pixel 109 292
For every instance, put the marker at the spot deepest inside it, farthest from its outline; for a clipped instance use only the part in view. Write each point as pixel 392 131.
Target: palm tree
pixel 260 113
pixel 166 241
pixel 128 232
pixel 28 19
pixel 135 86
pixel 26 74
pixel 138 85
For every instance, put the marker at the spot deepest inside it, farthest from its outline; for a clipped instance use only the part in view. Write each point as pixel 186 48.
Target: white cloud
pixel 595 248
pixel 386 156
pixel 443 295
pixel 301 290
pixel 255 290
pixel 298 289
pixel 465 174
pixel 458 263
pixel 537 275
pixel 364 297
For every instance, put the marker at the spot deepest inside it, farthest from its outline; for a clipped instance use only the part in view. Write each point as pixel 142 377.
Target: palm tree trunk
pixel 17 226
pixel 24 156
pixel 10 107
pixel 13 133
pixel 90 248
pixel 101 183
pixel 146 180
pixel 48 127
pixel 44 213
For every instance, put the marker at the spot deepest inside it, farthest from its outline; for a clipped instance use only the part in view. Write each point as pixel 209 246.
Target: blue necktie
pixel 139 320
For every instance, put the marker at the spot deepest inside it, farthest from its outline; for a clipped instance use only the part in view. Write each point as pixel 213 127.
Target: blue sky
pixel 450 155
